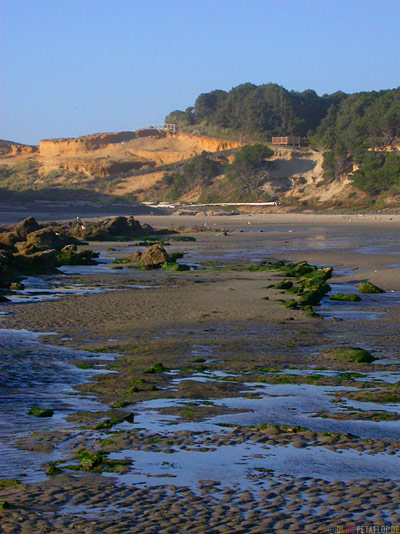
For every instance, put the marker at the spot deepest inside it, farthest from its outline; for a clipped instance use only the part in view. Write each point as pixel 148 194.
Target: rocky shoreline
pixel 196 350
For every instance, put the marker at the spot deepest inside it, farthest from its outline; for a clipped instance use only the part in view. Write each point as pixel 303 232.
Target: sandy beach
pixel 249 425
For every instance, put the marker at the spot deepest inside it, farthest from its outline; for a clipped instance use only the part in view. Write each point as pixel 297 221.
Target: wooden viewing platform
pixel 290 140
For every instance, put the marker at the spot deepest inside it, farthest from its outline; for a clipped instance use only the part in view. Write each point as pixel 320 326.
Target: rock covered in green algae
pixel 97 461
pixel 353 354
pixel 8 482
pixel 70 256
pixel 368 287
pixel 347 297
pixel 285 284
pixel 310 282
pixel 158 367
pixel 171 266
pixel 153 257
pixel 41 412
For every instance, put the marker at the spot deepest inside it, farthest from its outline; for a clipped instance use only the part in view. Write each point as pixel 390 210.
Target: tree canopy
pixel 267 109
pixel 345 127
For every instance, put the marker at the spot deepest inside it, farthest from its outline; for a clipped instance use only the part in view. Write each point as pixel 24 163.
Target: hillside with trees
pixel 358 133
pixel 222 152
pixel 255 111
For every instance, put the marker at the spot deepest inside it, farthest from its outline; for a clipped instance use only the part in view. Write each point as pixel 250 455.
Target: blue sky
pixel 73 67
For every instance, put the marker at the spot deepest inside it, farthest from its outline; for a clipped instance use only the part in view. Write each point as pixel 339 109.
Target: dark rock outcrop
pixel 109 229
pixel 45 239
pixel 29 248
pixel 37 263
pixel 8 239
pixel 154 256
pixel 25 227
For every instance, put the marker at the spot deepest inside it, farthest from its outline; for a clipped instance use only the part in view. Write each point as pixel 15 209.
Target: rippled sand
pixel 188 473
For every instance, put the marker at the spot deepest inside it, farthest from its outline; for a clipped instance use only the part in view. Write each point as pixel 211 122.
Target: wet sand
pixel 220 319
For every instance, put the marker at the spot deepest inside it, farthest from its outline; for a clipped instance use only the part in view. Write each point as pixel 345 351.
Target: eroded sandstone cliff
pixel 134 163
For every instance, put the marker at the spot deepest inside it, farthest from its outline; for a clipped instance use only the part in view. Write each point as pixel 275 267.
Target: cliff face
pixel 9 148
pixel 76 146
pixel 139 157
pixel 134 163
pixel 172 147
pixel 107 154
pixel 104 155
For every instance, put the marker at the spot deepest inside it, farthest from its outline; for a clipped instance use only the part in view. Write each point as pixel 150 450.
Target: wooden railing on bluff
pixel 167 127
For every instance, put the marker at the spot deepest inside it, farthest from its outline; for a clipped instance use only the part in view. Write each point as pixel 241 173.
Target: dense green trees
pixel 267 109
pixel 379 172
pixel 198 172
pixel 181 118
pixel 360 120
pixel 251 158
pixel 353 126
pixel 249 171
pixel 344 126
pixel 241 180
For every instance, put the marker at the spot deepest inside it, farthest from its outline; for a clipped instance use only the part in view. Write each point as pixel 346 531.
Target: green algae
pixel 368 287
pixel 40 412
pixel 97 461
pixel 9 482
pixel 346 297
pixel 171 266
pixel 310 285
pixel 158 367
pixel 352 354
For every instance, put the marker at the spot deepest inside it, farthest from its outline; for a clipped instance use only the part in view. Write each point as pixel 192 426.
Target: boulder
pixel 120 226
pixel 69 256
pixel 6 272
pixel 111 228
pixel 369 287
pixel 26 226
pixel 36 263
pixel 154 256
pixel 29 249
pixel 8 239
pixel 45 239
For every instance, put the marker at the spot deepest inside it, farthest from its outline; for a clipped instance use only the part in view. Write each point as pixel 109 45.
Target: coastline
pixel 219 316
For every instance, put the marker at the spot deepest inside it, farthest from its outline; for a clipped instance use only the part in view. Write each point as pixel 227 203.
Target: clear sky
pixel 73 67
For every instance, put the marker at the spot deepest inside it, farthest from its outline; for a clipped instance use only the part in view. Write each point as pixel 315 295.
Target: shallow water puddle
pixel 32 294
pixel 367 308
pixel 372 406
pixel 391 377
pixel 50 287
pixel 102 266
pixel 387 248
pixel 286 404
pixel 34 373
pixel 249 465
